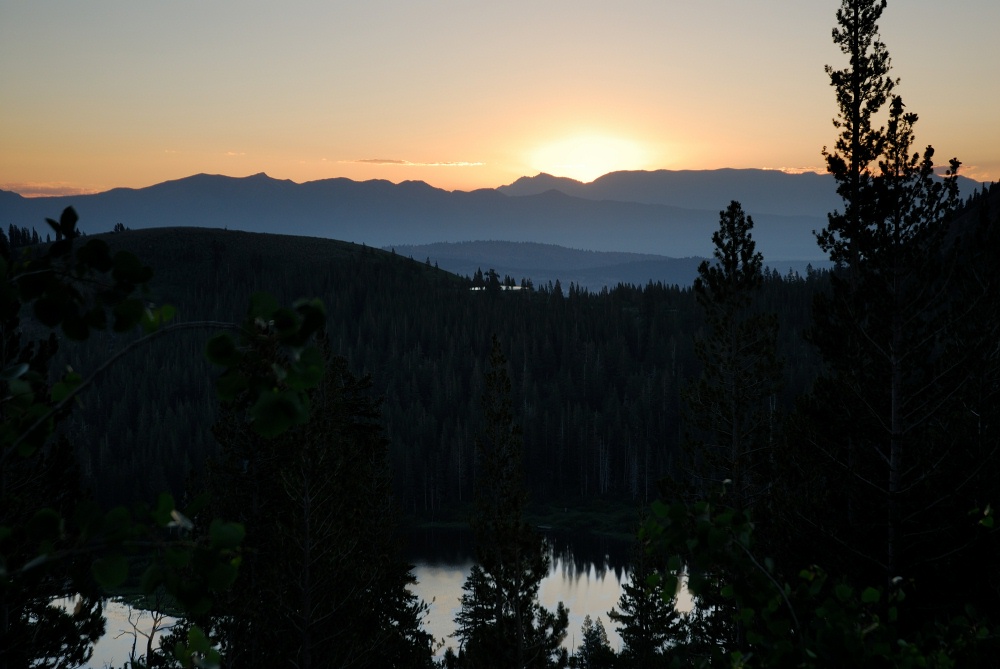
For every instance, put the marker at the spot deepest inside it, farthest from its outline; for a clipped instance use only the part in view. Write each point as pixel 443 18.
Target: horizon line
pixel 57 189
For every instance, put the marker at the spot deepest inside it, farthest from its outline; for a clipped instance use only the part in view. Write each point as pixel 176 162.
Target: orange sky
pixel 462 95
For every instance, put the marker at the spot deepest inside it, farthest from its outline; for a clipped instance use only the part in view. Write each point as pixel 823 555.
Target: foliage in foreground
pixel 54 542
pixel 805 619
pixel 321 583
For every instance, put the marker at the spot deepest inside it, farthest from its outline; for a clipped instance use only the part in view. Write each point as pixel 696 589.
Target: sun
pixel 586 157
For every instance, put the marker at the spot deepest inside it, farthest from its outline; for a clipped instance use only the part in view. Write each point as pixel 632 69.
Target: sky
pixel 461 94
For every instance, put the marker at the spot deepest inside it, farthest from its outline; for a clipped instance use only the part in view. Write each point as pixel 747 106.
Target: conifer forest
pixel 238 427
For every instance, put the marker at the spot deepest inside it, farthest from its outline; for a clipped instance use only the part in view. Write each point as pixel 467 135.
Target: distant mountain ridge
pixel 544 263
pixel 663 213
pixel 592 270
pixel 759 191
pixel 527 254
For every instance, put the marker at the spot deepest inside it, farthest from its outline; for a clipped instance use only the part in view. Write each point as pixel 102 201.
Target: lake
pixel 586 574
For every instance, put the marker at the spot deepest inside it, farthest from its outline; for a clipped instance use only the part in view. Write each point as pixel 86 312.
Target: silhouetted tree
pixel 50 616
pixel 594 651
pixel 501 623
pixel 492 280
pixel 731 407
pixel 53 542
pixel 647 622
pixel 889 419
pixel 477 280
pixel 322 583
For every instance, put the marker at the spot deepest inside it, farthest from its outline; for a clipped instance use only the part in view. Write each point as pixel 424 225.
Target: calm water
pixel 122 624
pixel 586 574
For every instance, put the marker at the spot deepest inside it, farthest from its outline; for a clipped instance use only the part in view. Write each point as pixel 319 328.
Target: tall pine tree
pixel 501 623
pixel 731 407
pixel 891 481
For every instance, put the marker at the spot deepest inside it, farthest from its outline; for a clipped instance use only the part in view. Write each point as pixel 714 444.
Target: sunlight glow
pixel 586 157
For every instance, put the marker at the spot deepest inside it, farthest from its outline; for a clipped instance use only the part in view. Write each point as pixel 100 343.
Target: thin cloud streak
pixel 796 170
pixel 52 189
pixel 974 172
pixel 407 163
pixel 977 173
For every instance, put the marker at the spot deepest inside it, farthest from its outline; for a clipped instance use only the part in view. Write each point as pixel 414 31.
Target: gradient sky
pixel 463 95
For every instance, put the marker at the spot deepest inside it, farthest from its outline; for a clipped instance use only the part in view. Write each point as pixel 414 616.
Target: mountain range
pixel 670 214
pixel 760 191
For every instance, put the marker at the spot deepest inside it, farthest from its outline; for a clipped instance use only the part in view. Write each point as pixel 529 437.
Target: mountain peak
pixel 540 183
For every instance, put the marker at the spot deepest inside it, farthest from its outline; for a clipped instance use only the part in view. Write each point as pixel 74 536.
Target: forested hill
pixel 547 263
pixel 596 376
pixel 593 270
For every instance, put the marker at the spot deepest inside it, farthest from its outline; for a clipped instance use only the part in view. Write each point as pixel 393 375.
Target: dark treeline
pixel 596 377
pixel 17 237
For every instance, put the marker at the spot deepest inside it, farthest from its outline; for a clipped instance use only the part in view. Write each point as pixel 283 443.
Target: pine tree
pixel 730 409
pixel 863 88
pixel 646 622
pixel 890 483
pixel 501 623
pixel 594 651
pixel 731 406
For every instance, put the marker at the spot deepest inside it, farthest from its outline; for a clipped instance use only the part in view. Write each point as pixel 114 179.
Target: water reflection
pixel 126 632
pixel 586 573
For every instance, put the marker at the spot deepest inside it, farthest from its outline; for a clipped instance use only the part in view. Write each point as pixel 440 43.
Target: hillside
pixel 548 263
pixel 591 270
pixel 596 377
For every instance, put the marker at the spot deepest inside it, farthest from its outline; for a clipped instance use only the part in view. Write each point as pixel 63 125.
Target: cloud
pixel 796 170
pixel 407 163
pixel 974 172
pixel 46 189
pixel 977 173
pixel 236 153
